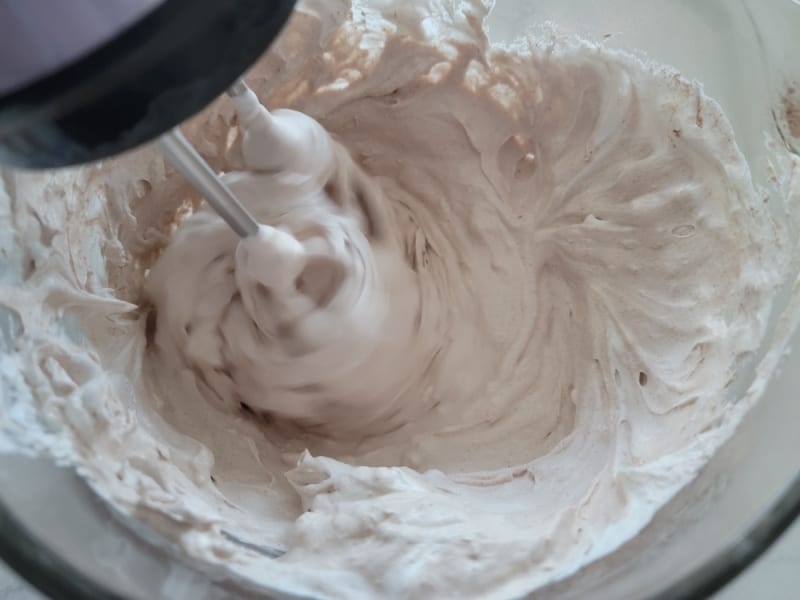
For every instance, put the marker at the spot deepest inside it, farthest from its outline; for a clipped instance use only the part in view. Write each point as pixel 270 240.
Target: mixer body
pixel 87 79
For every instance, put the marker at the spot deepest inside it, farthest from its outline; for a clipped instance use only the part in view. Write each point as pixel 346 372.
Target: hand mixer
pixel 84 80
pixel 87 79
pixel 183 156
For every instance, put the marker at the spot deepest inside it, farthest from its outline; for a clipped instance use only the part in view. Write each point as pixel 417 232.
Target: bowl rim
pixel 42 567
pixel 48 572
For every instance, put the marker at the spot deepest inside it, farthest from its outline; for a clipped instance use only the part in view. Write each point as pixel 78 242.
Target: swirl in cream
pixel 487 329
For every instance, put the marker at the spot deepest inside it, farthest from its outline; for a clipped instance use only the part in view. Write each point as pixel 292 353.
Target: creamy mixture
pixel 486 330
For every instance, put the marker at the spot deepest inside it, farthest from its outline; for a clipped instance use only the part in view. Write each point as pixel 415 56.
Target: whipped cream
pixel 521 284
pixel 313 318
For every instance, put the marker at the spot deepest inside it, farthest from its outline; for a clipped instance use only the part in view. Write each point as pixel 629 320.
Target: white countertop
pixel 775 576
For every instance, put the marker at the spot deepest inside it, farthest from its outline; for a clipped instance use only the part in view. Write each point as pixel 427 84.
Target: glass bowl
pixel 68 543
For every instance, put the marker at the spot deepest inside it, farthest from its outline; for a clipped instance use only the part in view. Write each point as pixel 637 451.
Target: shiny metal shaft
pixel 188 162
